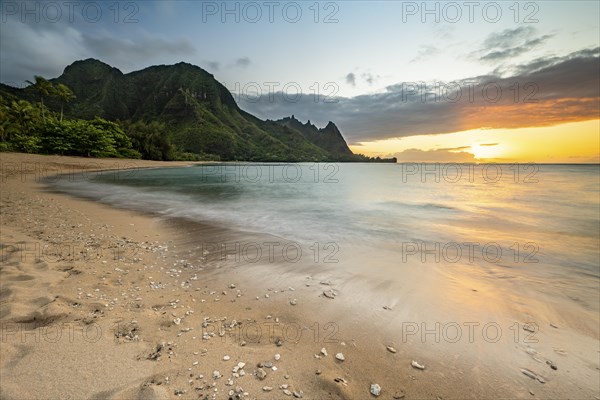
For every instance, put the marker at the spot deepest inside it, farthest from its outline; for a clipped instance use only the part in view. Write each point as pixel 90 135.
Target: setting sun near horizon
pixel 574 142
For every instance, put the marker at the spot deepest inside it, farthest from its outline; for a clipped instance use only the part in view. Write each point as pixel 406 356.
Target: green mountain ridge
pixel 200 114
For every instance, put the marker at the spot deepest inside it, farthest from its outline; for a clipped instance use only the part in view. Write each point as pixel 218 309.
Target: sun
pixel 486 150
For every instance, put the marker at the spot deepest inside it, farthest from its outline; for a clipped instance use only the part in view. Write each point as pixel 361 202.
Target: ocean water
pixel 537 224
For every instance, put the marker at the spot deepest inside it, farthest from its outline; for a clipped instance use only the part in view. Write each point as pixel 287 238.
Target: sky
pixel 422 81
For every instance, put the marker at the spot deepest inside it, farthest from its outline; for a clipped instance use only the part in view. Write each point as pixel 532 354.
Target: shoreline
pixel 153 299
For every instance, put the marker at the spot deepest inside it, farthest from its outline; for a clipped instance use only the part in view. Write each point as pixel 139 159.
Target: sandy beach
pixel 99 302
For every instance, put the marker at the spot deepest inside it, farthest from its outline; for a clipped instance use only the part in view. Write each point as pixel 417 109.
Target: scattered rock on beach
pixel 375 389
pixel 324 351
pixel 261 374
pixel 416 365
pixel 551 364
pixel 391 349
pixel 267 388
pixel 340 356
pixel 399 395
pixel 293 302
pixel 330 294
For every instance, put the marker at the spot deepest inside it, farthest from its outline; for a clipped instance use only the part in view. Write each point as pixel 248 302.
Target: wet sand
pixel 98 302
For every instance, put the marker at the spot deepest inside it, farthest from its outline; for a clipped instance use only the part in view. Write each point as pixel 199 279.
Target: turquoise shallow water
pixel 543 219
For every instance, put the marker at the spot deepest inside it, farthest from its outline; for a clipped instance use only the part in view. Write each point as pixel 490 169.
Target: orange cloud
pixel 542 113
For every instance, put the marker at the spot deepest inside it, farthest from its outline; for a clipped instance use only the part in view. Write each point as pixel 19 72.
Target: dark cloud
pixel 369 78
pixel 509 37
pixel 351 79
pixel 46 48
pixel 550 91
pixel 500 55
pixel 25 46
pixel 510 43
pixel 242 62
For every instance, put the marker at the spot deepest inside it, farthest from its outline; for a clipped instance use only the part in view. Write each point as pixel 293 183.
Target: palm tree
pixel 65 95
pixel 4 122
pixel 23 115
pixel 24 118
pixel 44 87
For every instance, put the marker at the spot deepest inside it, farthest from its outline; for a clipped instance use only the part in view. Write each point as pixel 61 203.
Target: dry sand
pixel 101 303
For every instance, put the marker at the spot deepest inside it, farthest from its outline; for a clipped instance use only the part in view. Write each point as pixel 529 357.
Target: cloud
pixel 510 43
pixel 455 148
pixel 351 79
pixel 46 48
pixel 424 53
pixel 23 46
pixel 369 78
pixel 242 62
pixel 551 91
pixel 213 65
pixel 438 155
pixel 113 48
pixel 444 31
pixel 508 37
pixel 489 144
